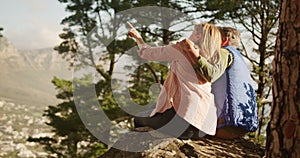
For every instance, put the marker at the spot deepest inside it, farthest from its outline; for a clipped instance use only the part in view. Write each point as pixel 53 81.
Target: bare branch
pixel 247 56
pixel 153 72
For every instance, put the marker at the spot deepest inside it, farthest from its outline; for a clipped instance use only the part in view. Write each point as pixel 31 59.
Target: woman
pixel 185 93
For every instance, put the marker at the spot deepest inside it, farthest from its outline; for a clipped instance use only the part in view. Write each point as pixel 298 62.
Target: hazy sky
pixel 32 24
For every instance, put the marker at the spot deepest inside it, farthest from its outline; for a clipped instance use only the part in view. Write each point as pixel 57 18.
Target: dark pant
pixel 170 123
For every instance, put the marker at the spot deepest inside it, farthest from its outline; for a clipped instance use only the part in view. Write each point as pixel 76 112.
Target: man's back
pixel 235 90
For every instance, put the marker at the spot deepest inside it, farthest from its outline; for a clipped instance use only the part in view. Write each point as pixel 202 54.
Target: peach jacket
pixel 184 89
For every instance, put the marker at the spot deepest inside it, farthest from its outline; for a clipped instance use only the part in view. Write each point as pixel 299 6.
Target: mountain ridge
pixel 26 75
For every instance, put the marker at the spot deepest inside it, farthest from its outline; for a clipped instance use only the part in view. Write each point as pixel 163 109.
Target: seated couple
pixel 208 89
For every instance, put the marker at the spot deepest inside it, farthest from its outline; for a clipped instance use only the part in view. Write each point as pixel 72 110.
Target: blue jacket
pixel 240 107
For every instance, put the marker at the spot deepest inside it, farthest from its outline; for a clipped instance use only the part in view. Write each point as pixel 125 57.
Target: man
pixel 234 93
pixel 233 90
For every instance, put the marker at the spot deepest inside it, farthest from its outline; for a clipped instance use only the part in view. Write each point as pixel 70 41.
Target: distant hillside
pixel 26 75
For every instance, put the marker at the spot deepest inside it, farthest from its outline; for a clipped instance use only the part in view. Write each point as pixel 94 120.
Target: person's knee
pixel 137 122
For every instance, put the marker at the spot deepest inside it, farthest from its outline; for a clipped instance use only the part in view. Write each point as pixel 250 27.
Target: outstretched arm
pixel 160 53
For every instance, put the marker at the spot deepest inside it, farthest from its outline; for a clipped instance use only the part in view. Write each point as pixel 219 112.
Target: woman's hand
pixel 135 35
pixel 133 32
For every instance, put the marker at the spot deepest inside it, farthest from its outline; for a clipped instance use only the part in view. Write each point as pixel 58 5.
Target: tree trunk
pixel 283 132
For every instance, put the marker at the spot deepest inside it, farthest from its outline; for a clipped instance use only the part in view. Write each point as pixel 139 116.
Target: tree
pixel 259 18
pixel 283 128
pixel 71 137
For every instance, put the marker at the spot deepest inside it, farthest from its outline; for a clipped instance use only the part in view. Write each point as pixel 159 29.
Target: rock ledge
pixel 173 147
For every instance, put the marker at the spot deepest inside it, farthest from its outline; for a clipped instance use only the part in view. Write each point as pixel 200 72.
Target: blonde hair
pixel 233 35
pixel 210 41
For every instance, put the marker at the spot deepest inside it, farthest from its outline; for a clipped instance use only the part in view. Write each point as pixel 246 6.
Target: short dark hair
pixel 233 34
